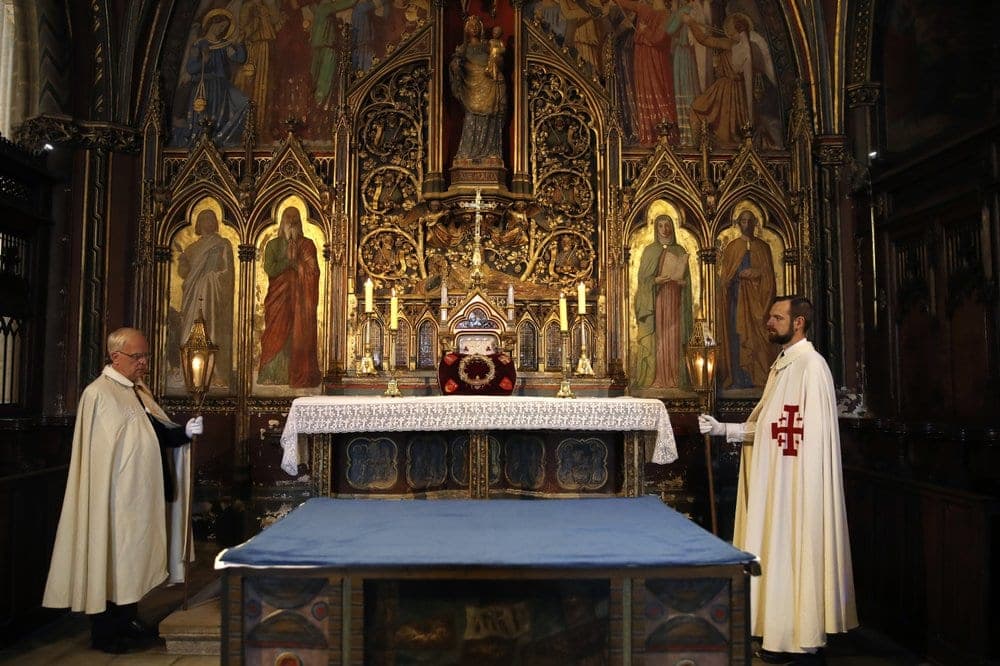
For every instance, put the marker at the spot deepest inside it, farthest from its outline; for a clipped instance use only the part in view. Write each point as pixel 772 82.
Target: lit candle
pixel 581 299
pixel 196 365
pixel 369 295
pixel 563 318
pixel 444 301
pixel 510 295
pixel 393 311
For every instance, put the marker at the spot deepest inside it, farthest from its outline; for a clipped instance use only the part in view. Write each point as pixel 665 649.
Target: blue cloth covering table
pixel 650 556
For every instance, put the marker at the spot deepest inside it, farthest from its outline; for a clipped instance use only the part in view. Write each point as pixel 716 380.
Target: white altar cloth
pixel 358 413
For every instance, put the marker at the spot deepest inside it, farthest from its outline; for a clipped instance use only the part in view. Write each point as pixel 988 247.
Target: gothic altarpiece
pixel 463 243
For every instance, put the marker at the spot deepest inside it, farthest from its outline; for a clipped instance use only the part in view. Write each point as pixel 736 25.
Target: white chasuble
pixel 111 544
pixel 790 508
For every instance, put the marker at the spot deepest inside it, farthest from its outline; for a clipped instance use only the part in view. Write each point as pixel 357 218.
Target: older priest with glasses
pixel 111 544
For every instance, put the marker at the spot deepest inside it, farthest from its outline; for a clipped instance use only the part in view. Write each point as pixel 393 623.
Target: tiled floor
pixel 67 641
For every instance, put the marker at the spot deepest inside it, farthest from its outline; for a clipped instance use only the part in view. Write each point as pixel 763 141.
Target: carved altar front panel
pixel 452 464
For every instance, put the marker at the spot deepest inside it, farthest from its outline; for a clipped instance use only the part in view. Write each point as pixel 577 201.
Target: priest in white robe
pixel 112 541
pixel 790 500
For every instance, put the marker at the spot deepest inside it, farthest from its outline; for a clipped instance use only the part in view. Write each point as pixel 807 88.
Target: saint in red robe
pixel 288 343
pixel 653 71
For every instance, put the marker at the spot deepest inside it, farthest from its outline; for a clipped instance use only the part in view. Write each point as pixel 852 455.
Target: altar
pixel 613 581
pixel 476 446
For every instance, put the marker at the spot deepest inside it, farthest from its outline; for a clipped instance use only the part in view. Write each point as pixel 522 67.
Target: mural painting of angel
pixel 211 64
pixel 745 86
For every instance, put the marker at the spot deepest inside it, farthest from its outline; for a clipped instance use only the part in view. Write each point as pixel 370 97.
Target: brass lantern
pixel 198 360
pixel 700 357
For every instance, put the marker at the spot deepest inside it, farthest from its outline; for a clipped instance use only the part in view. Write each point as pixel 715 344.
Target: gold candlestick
pixel 367 364
pixel 564 388
pixel 583 366
pixel 392 387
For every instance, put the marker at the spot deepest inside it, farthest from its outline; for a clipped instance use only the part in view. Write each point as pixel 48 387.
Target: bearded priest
pixel 790 500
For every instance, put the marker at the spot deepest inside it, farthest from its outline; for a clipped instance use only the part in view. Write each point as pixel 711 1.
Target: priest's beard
pixel 779 338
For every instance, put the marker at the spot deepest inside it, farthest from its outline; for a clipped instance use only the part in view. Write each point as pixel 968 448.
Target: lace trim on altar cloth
pixel 342 414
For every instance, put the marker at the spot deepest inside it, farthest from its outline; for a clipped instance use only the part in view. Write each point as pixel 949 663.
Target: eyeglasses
pixel 137 356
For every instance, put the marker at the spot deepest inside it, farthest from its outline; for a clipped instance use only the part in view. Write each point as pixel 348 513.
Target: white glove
pixel 193 427
pixel 709 425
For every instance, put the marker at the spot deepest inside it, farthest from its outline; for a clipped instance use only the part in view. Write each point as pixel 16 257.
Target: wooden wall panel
pixel 971 392
pixel 34 458
pixel 933 354
pixel 923 540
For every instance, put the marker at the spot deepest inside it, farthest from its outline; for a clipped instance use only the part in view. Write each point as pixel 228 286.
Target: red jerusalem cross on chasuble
pixel 787 431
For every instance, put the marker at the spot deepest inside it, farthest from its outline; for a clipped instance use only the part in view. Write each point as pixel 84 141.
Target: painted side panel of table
pixel 490 617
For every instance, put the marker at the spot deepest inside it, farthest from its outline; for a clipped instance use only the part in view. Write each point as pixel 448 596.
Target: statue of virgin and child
pixel 477 81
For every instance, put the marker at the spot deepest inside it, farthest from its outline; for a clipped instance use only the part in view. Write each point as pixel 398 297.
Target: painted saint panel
pixel 664 290
pixel 749 272
pixel 203 282
pixel 290 288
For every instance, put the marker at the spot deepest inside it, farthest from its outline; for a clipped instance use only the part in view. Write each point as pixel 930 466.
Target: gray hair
pixel 118 338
